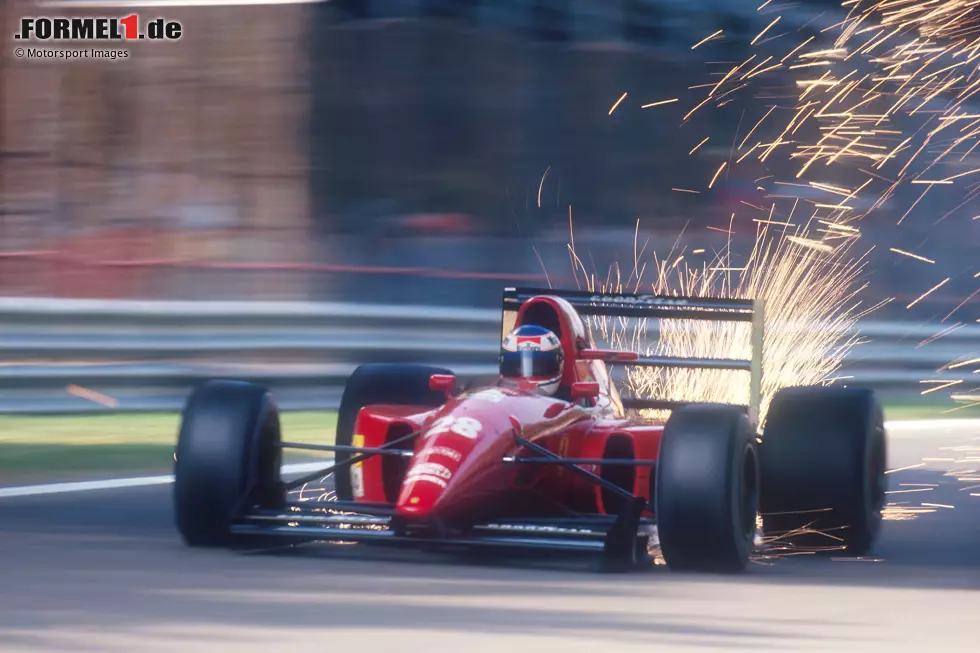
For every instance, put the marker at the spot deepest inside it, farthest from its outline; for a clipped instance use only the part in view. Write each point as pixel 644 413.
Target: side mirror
pixel 444 383
pixel 585 390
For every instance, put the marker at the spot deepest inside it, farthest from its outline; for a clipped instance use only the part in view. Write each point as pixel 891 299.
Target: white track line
pixel 933 423
pixel 116 483
pixel 944 424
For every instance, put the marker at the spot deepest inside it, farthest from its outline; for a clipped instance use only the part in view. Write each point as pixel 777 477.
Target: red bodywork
pixel 460 474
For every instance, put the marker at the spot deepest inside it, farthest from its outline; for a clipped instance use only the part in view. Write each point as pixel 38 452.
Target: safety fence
pixel 76 356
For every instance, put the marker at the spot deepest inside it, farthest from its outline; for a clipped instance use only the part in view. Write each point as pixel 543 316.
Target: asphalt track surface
pixel 104 570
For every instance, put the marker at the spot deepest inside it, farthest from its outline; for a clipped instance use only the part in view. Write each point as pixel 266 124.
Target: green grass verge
pixel 43 449
pixel 49 449
pixel 926 408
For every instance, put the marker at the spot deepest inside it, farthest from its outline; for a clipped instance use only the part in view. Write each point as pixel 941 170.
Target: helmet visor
pixel 531 364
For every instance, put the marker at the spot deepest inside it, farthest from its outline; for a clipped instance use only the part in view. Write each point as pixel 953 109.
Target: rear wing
pixel 663 307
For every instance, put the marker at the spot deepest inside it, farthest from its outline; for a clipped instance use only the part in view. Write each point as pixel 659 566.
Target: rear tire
pixel 379 383
pixel 707 489
pixel 823 468
pixel 228 458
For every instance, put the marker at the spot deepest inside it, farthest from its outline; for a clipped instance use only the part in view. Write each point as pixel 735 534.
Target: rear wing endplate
pixel 669 307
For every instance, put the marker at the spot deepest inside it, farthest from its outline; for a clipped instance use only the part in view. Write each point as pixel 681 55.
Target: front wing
pixel 620 539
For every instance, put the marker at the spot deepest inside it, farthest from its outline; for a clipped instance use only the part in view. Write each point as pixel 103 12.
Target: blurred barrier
pixel 71 356
pixel 92 273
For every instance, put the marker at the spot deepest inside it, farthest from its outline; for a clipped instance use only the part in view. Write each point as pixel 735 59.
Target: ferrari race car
pixel 420 462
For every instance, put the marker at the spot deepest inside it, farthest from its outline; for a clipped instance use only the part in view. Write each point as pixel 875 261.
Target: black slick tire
pixel 823 469
pixel 379 383
pixel 228 458
pixel 707 489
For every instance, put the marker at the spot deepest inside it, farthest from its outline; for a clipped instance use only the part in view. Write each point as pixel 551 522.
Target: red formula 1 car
pixel 503 465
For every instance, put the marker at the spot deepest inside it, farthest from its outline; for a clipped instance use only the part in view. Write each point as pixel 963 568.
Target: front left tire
pixel 707 488
pixel 379 383
pixel 823 469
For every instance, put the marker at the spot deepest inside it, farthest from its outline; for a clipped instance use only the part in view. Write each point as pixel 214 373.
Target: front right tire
pixel 228 458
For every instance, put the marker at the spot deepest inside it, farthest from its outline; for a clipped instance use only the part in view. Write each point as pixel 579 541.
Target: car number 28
pixel 465 426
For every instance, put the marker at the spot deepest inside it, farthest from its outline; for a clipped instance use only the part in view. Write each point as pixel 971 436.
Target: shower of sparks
pixel 618 102
pixel 808 334
pixel 910 255
pixel 766 29
pixel 709 38
pixel 972 361
pixel 696 147
pixel 657 104
pixel 904 513
pixel 840 122
pixel 902 469
pixel 940 387
pixel 541 185
pixel 963 407
pixel 928 292
pixel 715 178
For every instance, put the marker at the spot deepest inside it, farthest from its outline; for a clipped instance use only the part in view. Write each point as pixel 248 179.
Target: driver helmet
pixel 531 354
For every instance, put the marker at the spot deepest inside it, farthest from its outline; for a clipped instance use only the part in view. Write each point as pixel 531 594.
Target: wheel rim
pixel 876 471
pixel 749 493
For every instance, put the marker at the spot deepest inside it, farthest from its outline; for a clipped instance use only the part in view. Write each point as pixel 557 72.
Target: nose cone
pixel 458 471
pixel 433 470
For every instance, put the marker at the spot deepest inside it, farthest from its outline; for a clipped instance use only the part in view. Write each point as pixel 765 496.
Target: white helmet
pixel 533 354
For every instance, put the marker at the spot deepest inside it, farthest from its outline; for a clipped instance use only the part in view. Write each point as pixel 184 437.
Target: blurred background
pixel 317 150
pixel 385 153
